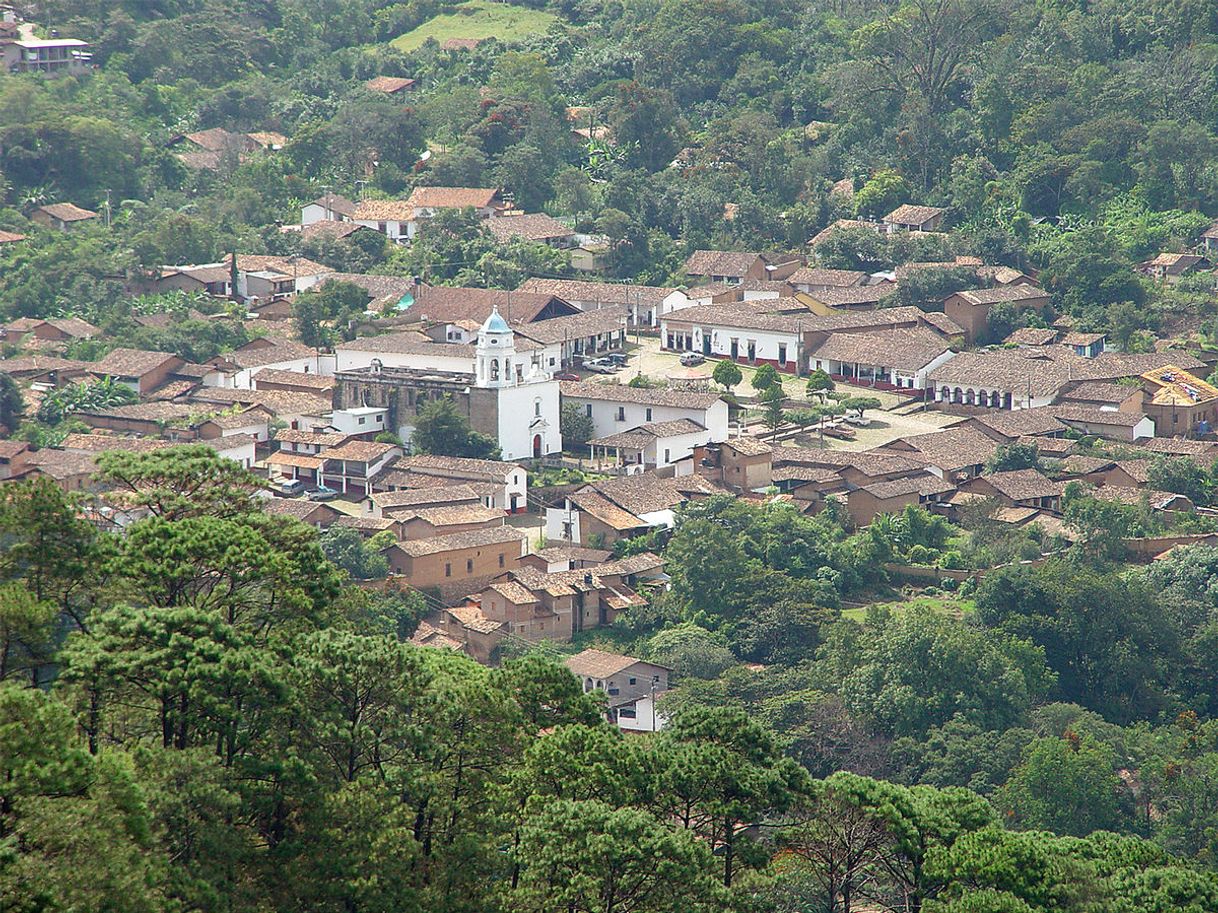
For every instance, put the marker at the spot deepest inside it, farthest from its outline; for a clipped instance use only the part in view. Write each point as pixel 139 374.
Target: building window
pixel 633 681
pixel 362 420
pixel 621 413
pixel 537 407
pixel 448 570
pixel 667 455
pixel 648 413
pixel 469 565
pixel 501 559
pixel 782 354
pixel 589 410
pixel 494 369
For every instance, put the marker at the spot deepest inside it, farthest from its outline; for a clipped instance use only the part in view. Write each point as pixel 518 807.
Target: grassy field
pixel 946 605
pixel 478 19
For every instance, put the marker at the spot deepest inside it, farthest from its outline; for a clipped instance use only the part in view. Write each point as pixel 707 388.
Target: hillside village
pixel 866 408
pixel 690 456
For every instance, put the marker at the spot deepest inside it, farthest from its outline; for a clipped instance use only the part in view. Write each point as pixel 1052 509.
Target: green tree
pixel 1009 457
pixel 441 429
pixel 765 377
pixel 576 426
pixel 349 550
pixel 1064 784
pixel 883 192
pixel 772 398
pixel 819 383
pixel 727 374
pixel 180 482
pixel 720 770
pixel 588 855
pixel 12 403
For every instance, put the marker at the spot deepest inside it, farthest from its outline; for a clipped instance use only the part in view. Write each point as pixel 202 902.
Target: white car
pixel 692 359
pixel 854 417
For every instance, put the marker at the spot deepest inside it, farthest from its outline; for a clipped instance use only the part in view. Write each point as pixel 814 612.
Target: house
pixel 568 341
pixel 54 56
pixel 618 407
pixel 254 421
pixel 52 329
pixel 427 201
pixel 1168 267
pixel 1031 336
pixel 1180 403
pixel 630 684
pixel 395 219
pixel 10 237
pixel 69 470
pixel 952 453
pixel 328 208
pixel 293 410
pixel 644 303
pixel 445 304
pixel 141 370
pixel 779 331
pixel 508 482
pixel 393 86
pixel 743 464
pixel 351 467
pixel 734 267
pixel 887 359
pixel 914 218
pixel 814 279
pixel 1018 488
pixel 313 513
pixel 444 520
pixel 291 381
pixel 1106 423
pixel 856 298
pixel 657 445
pixel 565 558
pixel 13 456
pixel 1085 345
pixel 866 502
pixel 532 226
pixel 460 563
pixel 1103 395
pixel 435 492
pixel 239 367
pixel 601 513
pixel 971 308
pixel 1209 238
pixel 537 605
pixel 61 216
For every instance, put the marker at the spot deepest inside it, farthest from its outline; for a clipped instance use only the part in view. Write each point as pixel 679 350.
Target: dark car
pixel 566 375
pixel 618 358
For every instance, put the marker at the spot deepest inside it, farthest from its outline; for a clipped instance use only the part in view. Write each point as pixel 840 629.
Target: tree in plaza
pixel 819 383
pixel 727 374
pixel 441 429
pixel 859 404
pixel 772 398
pixel 765 377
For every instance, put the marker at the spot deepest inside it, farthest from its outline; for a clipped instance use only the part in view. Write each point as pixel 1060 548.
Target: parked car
pixel 841 432
pixel 617 358
pixel 290 487
pixel 690 359
pixel 566 375
pixel 323 493
pixel 856 417
pixel 600 366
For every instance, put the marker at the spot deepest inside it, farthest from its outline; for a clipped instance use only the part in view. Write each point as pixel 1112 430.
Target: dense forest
pixel 206 714
pixel 221 721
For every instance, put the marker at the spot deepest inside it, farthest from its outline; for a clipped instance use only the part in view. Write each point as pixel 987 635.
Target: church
pixel 507 395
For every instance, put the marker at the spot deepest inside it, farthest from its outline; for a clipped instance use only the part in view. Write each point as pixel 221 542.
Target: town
pixel 456 458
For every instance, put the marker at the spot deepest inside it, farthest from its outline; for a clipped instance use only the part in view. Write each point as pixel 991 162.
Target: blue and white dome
pixel 495 323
